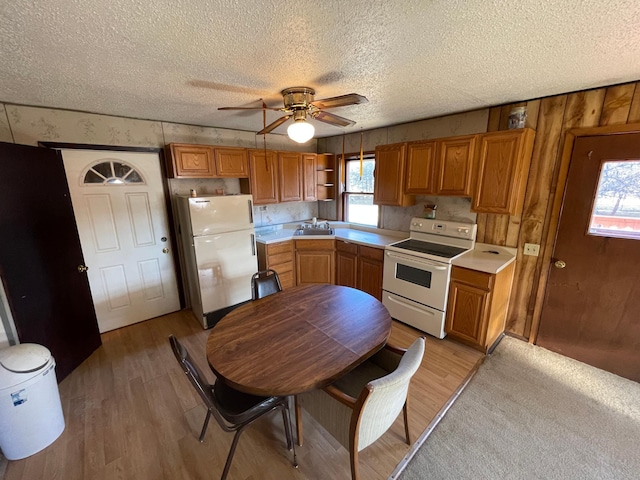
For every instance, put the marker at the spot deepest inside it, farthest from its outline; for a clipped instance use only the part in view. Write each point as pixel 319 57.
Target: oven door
pixel 418 279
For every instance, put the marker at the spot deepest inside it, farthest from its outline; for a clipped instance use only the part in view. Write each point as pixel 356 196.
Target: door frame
pixel 556 206
pixel 165 188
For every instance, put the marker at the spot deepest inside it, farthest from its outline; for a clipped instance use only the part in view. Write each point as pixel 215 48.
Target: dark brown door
pixel 592 305
pixel 40 253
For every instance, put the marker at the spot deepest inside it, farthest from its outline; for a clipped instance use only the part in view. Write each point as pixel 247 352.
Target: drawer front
pixel 281 247
pixel 280 258
pixel 372 253
pixel 287 279
pixel 347 247
pixel 282 268
pixel 473 277
pixel 314 244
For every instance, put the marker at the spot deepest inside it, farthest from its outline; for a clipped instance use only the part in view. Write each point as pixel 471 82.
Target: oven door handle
pixel 404 258
pixel 411 307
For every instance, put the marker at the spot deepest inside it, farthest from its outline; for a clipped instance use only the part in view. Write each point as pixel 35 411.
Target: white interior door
pixel 119 205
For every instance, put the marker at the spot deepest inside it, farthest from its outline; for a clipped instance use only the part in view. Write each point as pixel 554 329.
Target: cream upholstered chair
pixel 361 406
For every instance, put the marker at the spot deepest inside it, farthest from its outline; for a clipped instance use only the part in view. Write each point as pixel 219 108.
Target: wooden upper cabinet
pixel 290 176
pixel 309 177
pixel 191 161
pixel 502 168
pixel 420 167
pixel 455 166
pixel 231 162
pixel 389 176
pixel 263 178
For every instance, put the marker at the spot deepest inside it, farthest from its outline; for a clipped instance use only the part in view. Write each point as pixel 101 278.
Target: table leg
pixel 298 408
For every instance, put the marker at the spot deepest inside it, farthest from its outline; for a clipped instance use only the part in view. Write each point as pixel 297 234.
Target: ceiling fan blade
pixel 341 101
pixel 250 108
pixel 332 119
pixel 274 125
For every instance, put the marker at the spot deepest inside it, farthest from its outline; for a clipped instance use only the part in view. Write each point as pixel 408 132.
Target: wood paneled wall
pixel 551 117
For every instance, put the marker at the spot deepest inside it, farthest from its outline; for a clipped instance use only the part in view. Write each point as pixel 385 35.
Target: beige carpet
pixel 533 414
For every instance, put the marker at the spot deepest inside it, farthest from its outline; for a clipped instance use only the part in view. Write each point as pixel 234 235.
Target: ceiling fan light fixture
pixel 300 131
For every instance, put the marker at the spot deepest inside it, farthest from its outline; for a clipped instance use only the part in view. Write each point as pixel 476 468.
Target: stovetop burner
pixel 444 251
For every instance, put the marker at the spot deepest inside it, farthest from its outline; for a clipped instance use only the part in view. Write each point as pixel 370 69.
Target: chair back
pixel 265 282
pixel 388 396
pixel 194 374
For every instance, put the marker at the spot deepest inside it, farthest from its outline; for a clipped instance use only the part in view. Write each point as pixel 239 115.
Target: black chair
pixel 265 282
pixel 233 410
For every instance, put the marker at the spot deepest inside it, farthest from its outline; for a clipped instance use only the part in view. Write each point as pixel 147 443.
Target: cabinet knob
pixel 560 264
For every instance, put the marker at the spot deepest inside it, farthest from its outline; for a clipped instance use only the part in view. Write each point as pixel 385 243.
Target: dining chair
pixel 265 282
pixel 361 406
pixel 232 409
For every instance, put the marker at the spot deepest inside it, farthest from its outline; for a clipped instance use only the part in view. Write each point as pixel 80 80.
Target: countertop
pixel 486 258
pixel 374 237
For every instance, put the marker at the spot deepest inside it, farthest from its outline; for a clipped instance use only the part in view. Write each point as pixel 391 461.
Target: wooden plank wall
pixel 551 117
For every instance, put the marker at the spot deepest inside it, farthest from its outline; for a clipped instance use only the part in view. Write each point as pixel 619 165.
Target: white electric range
pixel 417 271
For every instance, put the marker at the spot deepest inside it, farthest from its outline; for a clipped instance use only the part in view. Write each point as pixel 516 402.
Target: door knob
pixel 82 268
pixel 560 264
pixel 165 250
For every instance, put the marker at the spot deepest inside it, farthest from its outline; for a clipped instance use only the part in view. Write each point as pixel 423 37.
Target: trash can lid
pixel 25 357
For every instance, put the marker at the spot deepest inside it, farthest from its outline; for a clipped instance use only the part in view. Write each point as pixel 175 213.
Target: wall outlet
pixel 532 249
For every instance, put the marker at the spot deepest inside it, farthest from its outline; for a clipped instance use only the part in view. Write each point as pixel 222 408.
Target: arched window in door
pixel 112 172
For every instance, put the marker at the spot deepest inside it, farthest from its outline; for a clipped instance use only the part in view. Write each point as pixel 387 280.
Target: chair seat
pixel 238 407
pixel 353 382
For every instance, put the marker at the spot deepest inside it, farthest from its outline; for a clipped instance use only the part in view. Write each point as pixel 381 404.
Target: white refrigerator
pixel 219 250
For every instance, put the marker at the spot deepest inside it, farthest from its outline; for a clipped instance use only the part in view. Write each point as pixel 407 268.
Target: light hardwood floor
pixel 131 414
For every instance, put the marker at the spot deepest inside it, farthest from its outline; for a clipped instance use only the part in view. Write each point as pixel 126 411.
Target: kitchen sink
pixel 314 231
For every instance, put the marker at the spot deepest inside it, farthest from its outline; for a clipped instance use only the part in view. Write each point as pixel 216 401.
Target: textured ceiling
pixel 178 61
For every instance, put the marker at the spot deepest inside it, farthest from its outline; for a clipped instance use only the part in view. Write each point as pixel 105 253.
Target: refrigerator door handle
pixel 250 211
pixel 253 245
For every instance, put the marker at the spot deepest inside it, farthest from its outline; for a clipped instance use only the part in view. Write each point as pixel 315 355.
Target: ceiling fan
pixel 299 104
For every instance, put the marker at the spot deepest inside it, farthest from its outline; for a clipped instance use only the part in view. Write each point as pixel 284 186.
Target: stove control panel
pixel 444 228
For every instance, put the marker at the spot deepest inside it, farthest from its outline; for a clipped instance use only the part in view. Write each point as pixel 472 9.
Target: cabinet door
pixel 309 177
pixel 370 276
pixel 455 159
pixel 389 176
pixel 231 162
pixel 263 176
pixel 290 176
pixel 346 263
pixel 420 167
pixel 503 167
pixel 314 267
pixel 466 312
pixel 192 161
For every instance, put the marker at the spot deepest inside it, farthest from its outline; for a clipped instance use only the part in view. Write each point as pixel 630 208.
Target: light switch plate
pixel 532 249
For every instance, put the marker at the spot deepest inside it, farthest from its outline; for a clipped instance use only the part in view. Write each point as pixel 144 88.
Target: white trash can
pixel 30 409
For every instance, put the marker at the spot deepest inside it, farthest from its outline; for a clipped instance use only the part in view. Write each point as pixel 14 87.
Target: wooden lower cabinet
pixel 360 267
pixel 315 261
pixel 346 264
pixel 279 257
pixel 477 306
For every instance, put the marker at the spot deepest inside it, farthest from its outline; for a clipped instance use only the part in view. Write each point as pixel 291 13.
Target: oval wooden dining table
pixel 297 340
